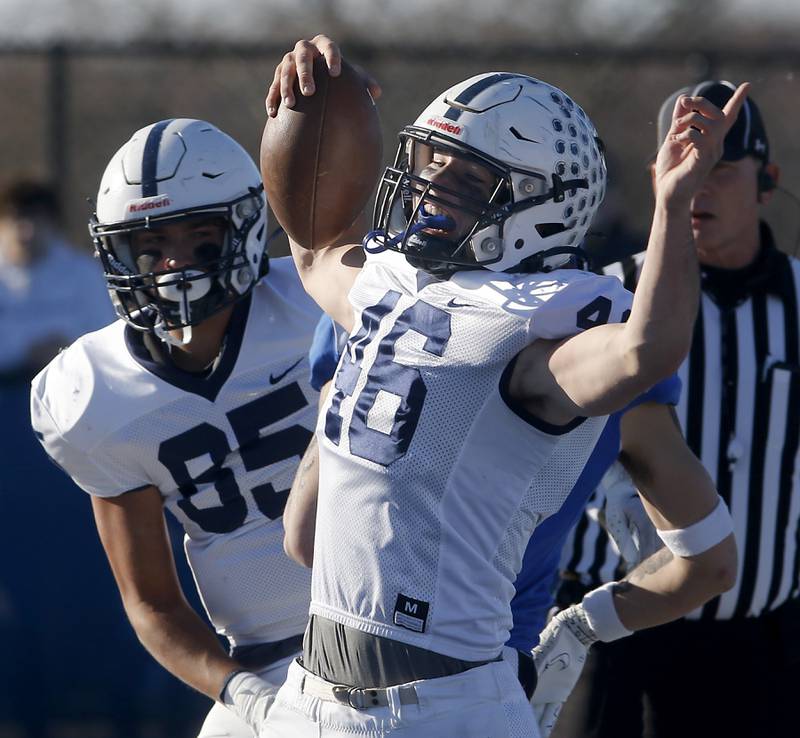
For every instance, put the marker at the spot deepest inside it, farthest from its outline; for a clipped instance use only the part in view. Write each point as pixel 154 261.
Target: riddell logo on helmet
pixel 151 204
pixel 446 126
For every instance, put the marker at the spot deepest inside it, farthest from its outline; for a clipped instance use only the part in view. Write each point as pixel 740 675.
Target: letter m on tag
pixel 410 613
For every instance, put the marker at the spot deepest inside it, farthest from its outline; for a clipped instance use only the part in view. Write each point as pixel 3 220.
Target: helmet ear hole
pixel 519 243
pixel 545 230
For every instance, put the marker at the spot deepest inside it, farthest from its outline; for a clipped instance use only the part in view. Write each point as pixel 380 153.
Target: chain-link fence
pixel 66 110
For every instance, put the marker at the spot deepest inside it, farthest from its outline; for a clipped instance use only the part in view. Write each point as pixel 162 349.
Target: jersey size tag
pixel 410 613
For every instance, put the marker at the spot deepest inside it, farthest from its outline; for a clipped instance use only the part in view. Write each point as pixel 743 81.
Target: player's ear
pixel 768 179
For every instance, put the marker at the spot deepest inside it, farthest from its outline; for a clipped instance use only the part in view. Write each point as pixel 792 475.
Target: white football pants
pixel 222 723
pixel 484 702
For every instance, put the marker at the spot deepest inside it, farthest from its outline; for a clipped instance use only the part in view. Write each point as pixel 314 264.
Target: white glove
pixel 626 521
pixel 249 697
pixel 559 659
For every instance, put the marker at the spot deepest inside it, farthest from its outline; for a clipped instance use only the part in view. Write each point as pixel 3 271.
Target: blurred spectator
pixel 49 293
pixel 50 675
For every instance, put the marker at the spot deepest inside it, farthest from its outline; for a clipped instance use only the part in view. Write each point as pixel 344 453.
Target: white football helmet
pixel 547 160
pixel 172 170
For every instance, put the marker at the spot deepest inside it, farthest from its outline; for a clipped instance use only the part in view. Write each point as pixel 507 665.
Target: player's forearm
pixel 300 514
pixel 659 331
pixel 183 644
pixel 665 587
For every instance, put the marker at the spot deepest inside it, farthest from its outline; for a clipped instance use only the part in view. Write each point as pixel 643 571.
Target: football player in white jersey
pixel 468 400
pixel 196 400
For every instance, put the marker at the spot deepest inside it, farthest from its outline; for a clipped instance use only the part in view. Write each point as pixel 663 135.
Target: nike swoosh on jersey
pixel 454 304
pixel 274 380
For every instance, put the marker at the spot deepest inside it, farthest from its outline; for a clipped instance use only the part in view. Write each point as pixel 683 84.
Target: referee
pixel 732 667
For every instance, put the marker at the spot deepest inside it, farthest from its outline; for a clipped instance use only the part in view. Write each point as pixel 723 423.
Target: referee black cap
pixel 746 137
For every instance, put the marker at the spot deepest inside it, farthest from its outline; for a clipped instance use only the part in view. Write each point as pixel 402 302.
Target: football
pixel 320 160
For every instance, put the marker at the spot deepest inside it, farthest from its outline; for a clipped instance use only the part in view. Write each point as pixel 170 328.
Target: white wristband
pixel 602 615
pixel 702 535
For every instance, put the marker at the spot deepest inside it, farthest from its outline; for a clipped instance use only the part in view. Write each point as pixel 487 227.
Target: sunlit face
pixel 725 213
pixel 177 245
pixel 459 175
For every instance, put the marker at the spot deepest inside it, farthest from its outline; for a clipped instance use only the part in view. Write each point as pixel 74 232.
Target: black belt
pixel 261 655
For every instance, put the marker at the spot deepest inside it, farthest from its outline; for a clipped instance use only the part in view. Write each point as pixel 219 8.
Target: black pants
pixel 732 679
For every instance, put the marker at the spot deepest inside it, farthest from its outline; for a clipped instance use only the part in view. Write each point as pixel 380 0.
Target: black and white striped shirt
pixel 740 411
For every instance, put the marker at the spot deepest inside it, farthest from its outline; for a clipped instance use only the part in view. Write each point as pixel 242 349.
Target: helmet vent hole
pixel 558 126
pixel 519 243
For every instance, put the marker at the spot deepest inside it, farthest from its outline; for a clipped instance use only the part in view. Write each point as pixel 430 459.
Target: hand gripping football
pixel 320 160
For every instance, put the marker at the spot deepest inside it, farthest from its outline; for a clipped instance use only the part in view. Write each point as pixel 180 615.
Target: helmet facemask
pixel 168 300
pixel 403 219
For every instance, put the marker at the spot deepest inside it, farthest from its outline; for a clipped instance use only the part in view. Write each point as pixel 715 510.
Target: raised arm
pixel 327 272
pixel 601 370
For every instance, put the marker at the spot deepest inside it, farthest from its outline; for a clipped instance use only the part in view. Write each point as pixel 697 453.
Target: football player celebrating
pixel 468 401
pixel 196 399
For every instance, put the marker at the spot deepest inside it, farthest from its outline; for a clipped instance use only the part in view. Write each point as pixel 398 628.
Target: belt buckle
pixel 351 696
pixel 355 698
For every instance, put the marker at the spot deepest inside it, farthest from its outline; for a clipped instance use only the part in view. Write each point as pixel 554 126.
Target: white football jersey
pixel 222 449
pixel 431 478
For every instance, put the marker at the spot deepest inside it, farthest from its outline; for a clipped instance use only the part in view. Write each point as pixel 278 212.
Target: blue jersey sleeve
pixel 323 356
pixel 537 579
pixel 666 392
